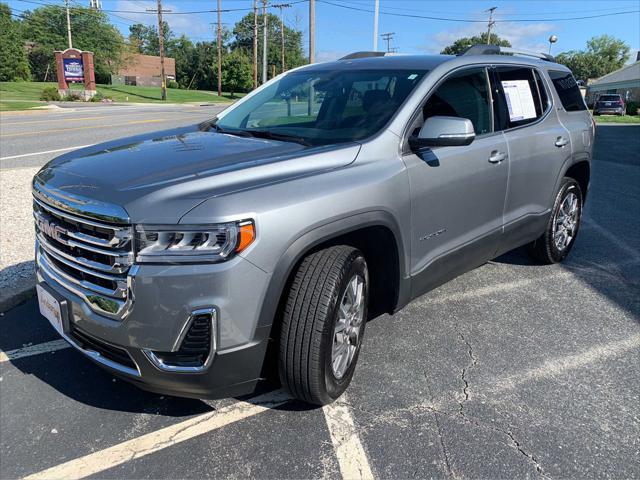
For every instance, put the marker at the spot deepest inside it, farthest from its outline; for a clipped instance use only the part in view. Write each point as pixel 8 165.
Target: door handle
pixel 497 157
pixel 561 142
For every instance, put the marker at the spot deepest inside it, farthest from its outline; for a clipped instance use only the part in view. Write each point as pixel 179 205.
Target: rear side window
pixel 568 91
pixel 521 97
pixel 464 94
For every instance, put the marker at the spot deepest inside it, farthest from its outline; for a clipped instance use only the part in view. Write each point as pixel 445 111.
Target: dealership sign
pixel 73 70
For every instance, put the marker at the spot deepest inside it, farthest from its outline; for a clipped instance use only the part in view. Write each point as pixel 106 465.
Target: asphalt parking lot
pixel 513 370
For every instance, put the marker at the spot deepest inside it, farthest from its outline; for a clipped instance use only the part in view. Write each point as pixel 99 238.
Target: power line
pixel 466 20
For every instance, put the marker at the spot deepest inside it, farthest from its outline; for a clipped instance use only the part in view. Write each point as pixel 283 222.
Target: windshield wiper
pixel 219 129
pixel 278 136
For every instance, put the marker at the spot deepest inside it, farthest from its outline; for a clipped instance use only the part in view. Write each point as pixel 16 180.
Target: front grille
pixel 86 254
pixel 106 350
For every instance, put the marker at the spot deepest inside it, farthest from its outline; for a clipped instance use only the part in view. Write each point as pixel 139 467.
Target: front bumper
pixel 163 299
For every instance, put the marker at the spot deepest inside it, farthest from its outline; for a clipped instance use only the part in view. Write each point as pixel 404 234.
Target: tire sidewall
pixel 333 386
pixel 570 186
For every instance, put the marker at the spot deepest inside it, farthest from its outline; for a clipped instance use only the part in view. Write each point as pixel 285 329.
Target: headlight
pixel 192 243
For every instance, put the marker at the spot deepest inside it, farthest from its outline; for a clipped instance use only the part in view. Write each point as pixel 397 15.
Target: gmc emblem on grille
pixel 51 229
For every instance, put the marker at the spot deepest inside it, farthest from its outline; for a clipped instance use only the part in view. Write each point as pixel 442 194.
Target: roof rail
pixel 354 55
pixel 497 50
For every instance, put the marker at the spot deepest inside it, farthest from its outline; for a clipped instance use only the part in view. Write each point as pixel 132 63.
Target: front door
pixel 457 193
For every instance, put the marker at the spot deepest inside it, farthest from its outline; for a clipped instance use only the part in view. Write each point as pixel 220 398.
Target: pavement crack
pixel 479 424
pixel 472 363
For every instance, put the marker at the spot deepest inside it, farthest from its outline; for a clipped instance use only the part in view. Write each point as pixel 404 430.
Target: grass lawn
pixel 16 95
pixel 617 119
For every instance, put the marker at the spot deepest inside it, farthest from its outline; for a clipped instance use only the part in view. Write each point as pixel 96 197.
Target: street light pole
pixel 552 39
pixel 264 41
pixel 375 25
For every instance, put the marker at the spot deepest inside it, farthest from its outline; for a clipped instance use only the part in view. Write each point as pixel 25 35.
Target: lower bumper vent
pixel 196 348
pixel 110 352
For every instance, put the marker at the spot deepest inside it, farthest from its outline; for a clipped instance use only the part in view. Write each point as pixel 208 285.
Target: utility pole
pixel 312 31
pixel 281 6
pixel 264 41
pixel 163 78
pixel 219 53
pixel 490 24
pixel 66 2
pixel 388 37
pixel 375 25
pixel 255 43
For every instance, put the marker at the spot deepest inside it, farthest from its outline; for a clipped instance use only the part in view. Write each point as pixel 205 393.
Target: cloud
pixel 531 36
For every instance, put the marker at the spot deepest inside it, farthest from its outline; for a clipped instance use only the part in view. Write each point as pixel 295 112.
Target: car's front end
pixel 146 302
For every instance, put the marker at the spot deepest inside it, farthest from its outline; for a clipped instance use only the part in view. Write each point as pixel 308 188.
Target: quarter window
pixel 466 95
pixel 568 91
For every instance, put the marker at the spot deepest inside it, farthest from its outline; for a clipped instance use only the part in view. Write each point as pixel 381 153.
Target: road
pixel 513 370
pixel 33 138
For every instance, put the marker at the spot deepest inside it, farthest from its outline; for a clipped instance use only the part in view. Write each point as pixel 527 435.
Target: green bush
pixel 99 96
pixel 50 94
pixel 632 108
pixel 72 97
pixel 173 84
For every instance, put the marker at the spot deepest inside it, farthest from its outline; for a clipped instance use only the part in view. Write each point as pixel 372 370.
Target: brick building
pixel 144 70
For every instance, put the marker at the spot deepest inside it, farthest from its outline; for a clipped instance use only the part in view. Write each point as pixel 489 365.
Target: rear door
pixel 457 193
pixel 538 146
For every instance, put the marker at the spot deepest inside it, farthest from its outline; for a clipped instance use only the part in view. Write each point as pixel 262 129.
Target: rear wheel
pixel 559 236
pixel 323 324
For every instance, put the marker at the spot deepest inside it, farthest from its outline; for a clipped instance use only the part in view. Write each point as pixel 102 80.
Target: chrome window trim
pixel 160 365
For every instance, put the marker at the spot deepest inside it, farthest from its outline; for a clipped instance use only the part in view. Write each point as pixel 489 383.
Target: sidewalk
pixel 17 237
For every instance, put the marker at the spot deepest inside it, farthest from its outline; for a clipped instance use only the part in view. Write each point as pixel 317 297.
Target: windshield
pixel 318 108
pixel 609 98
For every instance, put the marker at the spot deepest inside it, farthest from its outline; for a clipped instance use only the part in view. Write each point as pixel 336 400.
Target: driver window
pixel 466 95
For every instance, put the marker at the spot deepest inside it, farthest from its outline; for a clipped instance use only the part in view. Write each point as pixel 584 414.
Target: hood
pixel 159 177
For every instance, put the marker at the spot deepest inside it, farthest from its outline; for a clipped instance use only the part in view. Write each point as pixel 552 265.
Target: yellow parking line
pixel 134 122
pixel 352 458
pixel 160 439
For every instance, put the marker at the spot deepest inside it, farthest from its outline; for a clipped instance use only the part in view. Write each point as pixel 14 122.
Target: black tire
pixel 309 318
pixel 544 249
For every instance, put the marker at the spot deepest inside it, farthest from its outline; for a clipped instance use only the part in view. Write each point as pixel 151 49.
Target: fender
pixel 308 240
pixel 569 162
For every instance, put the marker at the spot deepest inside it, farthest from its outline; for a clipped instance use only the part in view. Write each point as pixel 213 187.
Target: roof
pixel 625 74
pixel 425 62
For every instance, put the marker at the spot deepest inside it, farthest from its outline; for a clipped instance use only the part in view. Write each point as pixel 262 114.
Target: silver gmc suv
pixel 197 261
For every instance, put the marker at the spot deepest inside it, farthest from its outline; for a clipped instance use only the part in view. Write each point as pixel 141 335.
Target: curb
pixel 17 295
pixel 16 299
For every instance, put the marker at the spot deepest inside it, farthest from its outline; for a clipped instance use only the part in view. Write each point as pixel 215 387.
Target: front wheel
pixel 561 231
pixel 323 324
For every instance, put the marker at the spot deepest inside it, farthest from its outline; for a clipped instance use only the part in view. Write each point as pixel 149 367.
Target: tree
pixel 237 74
pixel 46 27
pixel 604 54
pixel 13 57
pixel 144 39
pixel 293 53
pixel 463 43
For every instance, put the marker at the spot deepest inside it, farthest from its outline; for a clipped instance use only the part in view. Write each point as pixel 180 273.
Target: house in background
pixel 144 70
pixel 625 81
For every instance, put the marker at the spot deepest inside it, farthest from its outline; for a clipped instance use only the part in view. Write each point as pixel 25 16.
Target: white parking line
pixel 46 347
pixel 11 157
pixel 615 239
pixel 352 458
pixel 160 439
pixel 561 365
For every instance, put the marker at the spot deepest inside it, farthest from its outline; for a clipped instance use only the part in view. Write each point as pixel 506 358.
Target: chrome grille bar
pixel 87 257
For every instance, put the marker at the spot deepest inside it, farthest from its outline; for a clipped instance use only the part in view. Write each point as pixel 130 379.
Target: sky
pixel 344 26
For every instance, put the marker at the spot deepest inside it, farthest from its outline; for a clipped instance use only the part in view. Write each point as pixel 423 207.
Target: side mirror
pixel 444 132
